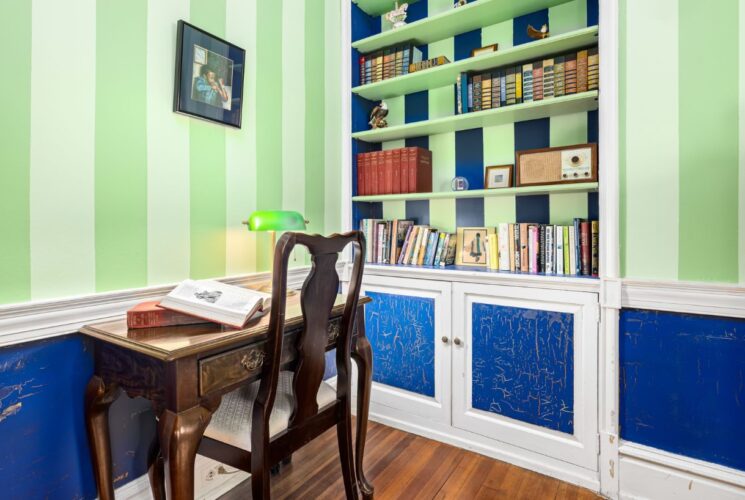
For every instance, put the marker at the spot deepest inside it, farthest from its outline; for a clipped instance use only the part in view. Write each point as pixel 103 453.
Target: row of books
pixel 429 63
pixel 533 81
pixel 401 242
pixel 394 171
pixel 545 248
pixel 388 63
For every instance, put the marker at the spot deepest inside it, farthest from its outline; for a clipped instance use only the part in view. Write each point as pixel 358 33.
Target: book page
pixel 211 295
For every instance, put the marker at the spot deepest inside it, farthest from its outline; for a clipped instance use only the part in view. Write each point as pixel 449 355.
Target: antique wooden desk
pixel 184 371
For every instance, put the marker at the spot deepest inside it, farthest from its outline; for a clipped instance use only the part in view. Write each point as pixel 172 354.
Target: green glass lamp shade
pixel 276 220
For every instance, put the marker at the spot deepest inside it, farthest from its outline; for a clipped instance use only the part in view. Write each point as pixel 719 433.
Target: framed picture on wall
pixel 209 76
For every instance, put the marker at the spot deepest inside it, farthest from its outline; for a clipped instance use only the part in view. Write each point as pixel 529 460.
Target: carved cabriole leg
pixel 98 399
pixel 180 434
pixel 362 355
pixel 155 470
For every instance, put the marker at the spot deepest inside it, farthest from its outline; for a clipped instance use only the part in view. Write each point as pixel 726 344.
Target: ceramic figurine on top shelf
pixel 377 116
pixel 538 34
pixel 460 3
pixel 397 16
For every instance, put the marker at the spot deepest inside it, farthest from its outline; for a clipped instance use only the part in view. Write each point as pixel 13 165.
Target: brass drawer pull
pixel 252 360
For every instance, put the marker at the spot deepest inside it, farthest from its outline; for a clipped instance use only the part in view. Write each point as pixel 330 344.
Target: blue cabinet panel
pixel 523 364
pixel 682 386
pixel 402 332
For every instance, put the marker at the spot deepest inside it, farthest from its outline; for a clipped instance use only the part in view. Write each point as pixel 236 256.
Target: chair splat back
pixel 317 299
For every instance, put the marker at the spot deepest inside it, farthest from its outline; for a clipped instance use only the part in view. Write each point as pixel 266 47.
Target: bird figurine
pixel 538 34
pixel 460 3
pixel 378 114
pixel 397 16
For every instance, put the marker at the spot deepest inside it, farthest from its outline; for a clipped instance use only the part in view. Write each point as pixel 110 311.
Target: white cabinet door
pixel 524 368
pixel 406 323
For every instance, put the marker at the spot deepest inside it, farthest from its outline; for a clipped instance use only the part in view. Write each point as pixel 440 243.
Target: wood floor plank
pixel 405 466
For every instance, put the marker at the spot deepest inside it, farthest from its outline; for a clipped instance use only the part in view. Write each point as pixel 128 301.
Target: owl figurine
pixel 377 116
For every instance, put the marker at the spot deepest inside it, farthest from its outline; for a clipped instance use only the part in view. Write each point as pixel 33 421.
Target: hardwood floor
pixel 405 466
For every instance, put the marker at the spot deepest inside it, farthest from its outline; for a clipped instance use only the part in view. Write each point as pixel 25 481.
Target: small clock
pixel 459 184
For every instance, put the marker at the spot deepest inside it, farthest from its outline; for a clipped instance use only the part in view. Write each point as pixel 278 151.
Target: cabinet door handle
pixel 445 340
pixel 457 341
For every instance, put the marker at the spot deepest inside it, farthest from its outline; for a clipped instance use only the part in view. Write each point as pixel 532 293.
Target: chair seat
pixel 231 423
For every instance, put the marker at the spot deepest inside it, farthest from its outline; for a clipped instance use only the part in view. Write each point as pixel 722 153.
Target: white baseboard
pixel 479 444
pixel 648 473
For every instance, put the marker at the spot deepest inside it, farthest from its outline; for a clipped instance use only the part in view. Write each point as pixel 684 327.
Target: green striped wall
pixel 682 171
pixel 103 187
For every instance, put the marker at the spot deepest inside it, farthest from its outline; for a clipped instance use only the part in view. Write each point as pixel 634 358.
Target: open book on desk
pixel 218 302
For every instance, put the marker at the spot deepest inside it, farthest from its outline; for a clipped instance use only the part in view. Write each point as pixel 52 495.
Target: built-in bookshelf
pixel 419 130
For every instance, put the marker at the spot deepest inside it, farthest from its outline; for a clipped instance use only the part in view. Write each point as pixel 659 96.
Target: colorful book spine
pixel 477 92
pixel 582 71
pixel 572 251
pixel 516 246
pixel 593 69
pixel 585 242
pixel 524 250
pixel 559 236
pixel 503 88
pixel 496 89
pixel 538 81
pixel 548 78
pixel 577 246
pixel 504 246
pixel 541 248
pixel 486 91
pixel 511 246
pixel 527 82
pixel 533 248
pixel 558 76
pixel 595 248
pixel 518 84
pixel 550 251
pixel 362 70
pixel 566 250
pixel 570 74
pixel 510 86
pixel 459 95
pixel 492 243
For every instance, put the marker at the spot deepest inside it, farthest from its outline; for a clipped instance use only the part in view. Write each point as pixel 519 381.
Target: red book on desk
pixel 150 314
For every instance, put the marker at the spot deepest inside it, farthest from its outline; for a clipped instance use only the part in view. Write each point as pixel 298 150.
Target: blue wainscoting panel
pixel 401 330
pixel 43 442
pixel 523 364
pixel 683 384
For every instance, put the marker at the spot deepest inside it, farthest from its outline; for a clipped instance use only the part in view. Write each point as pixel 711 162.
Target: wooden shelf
pixel 454 21
pixel 378 7
pixel 447 74
pixel 584 187
pixel 575 103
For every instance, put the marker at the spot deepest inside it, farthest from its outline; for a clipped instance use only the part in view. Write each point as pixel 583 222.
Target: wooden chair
pixel 285 410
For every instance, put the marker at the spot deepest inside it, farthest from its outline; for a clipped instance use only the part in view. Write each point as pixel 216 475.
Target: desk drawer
pixel 229 368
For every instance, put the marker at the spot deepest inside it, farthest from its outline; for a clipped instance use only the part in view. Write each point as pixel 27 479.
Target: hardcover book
pixel 151 315
pixel 477 92
pixel 548 78
pixel 559 236
pixel 496 89
pixel 510 86
pixel 527 82
pixel 595 248
pixel 570 74
pixel 538 81
pixel 524 250
pixel 449 258
pixel 518 85
pixel 593 69
pixel 585 248
pixel 486 91
pixel 558 76
pixel 503 241
pixel 582 71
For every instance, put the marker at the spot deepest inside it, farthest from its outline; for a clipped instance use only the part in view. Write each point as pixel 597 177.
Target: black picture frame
pixel 209 78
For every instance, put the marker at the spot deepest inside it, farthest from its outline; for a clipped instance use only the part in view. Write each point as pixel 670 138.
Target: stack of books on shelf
pixel 204 301
pixel 429 63
pixel 404 243
pixel 394 171
pixel 388 63
pixel 545 248
pixel 556 76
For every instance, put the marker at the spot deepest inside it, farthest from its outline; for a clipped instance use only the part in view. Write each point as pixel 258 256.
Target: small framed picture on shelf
pixel 499 176
pixel 471 247
pixel 485 50
pixel 209 77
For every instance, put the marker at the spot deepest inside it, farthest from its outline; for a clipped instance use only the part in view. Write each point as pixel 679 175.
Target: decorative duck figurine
pixel 538 34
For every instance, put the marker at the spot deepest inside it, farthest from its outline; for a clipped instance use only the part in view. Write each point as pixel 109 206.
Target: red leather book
pixel 584 228
pixel 538 81
pixel 388 172
pixel 375 167
pixel 361 174
pixel 150 314
pixel 397 171
pixel 420 170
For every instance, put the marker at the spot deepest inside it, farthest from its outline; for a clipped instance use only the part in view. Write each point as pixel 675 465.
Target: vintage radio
pixel 564 165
